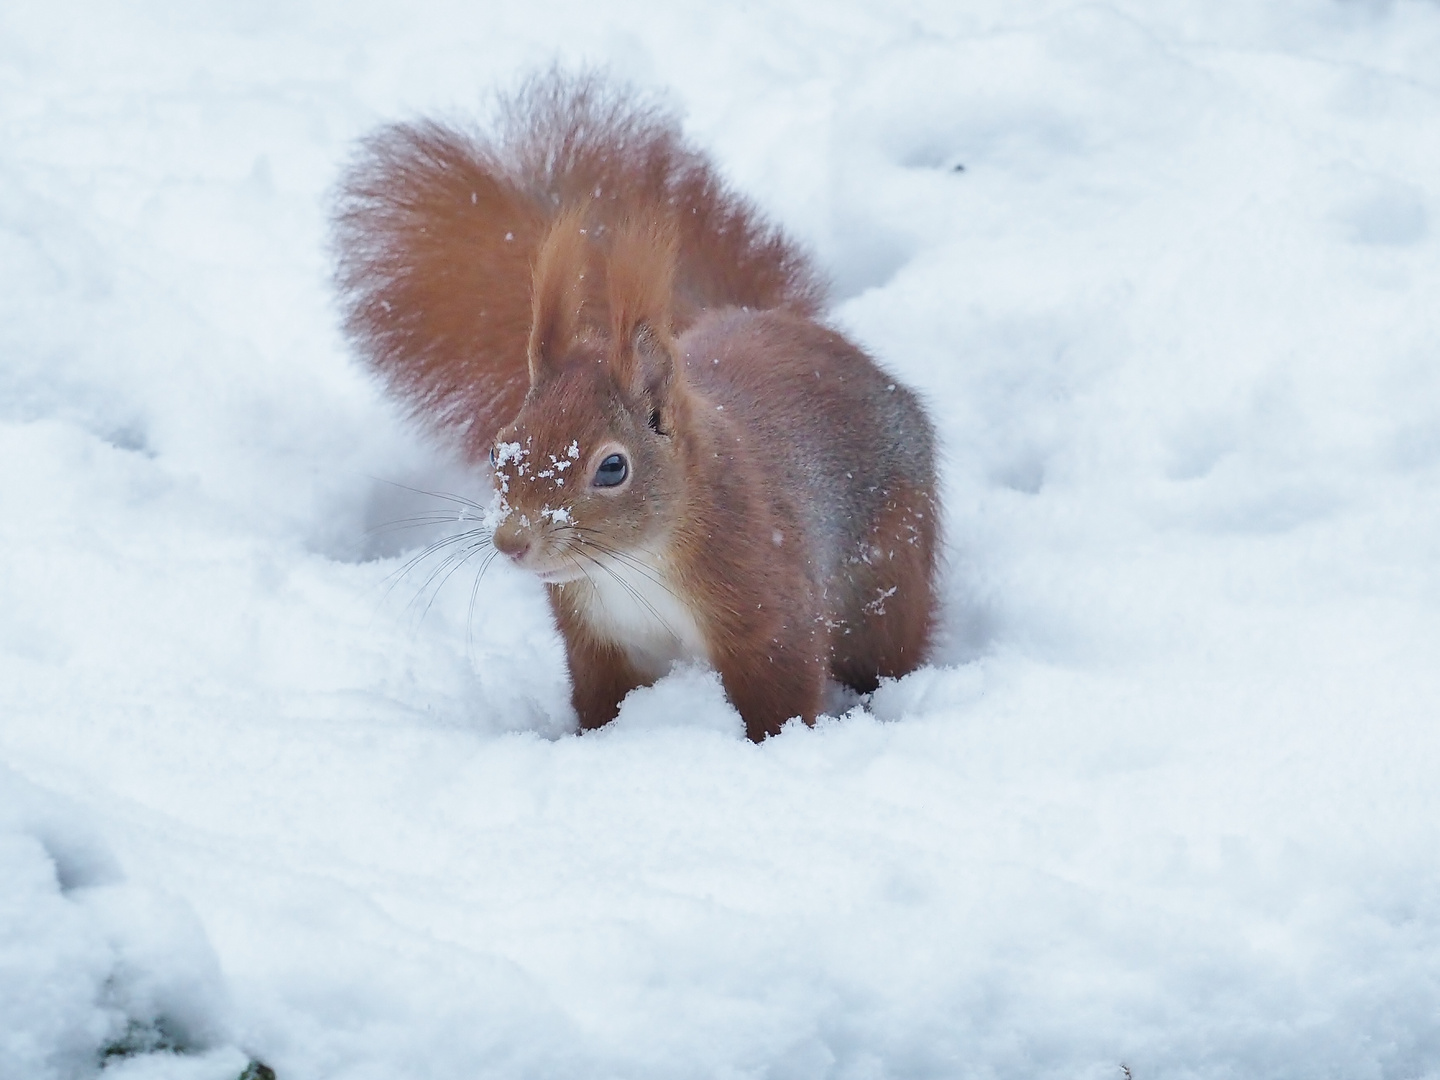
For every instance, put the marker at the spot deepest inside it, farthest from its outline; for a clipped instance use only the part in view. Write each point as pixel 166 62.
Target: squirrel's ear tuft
pixel 640 278
pixel 651 370
pixel 559 292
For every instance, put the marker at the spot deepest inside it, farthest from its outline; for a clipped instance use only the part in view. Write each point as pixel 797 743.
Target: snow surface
pixel 1168 274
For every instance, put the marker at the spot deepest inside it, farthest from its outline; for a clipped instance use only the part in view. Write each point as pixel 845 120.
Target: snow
pixel 1166 274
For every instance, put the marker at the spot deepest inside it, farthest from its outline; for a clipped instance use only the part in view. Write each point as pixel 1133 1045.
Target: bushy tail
pixel 437 232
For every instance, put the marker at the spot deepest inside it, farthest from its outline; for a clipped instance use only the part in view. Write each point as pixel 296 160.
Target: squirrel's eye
pixel 493 457
pixel 612 471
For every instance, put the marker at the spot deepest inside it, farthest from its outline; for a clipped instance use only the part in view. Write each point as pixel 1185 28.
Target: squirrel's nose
pixel 512 540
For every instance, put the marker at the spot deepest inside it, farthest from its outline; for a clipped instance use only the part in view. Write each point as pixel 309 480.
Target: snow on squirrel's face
pixel 584 475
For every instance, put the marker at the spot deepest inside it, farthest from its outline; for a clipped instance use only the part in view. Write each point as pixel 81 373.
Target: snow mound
pixel 277 786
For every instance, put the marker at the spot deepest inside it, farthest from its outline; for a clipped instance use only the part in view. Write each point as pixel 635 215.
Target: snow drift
pixel 1165 798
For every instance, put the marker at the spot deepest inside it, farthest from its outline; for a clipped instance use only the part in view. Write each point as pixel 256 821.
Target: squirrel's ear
pixel 558 292
pixel 641 274
pixel 652 366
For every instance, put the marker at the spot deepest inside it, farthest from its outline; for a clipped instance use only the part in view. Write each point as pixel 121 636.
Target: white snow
pixel 1166 272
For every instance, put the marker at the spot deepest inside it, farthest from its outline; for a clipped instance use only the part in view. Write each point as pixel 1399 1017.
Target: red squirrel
pixel 695 465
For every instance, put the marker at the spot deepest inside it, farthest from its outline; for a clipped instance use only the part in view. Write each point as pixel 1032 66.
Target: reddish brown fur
pixel 558 303
pixel 437 229
pixel 776 512
pixel 437 297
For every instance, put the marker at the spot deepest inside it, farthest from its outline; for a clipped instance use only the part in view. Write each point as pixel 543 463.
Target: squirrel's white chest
pixel 631 603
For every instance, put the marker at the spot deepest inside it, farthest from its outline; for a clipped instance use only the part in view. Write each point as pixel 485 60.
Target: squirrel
pixel 696 466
